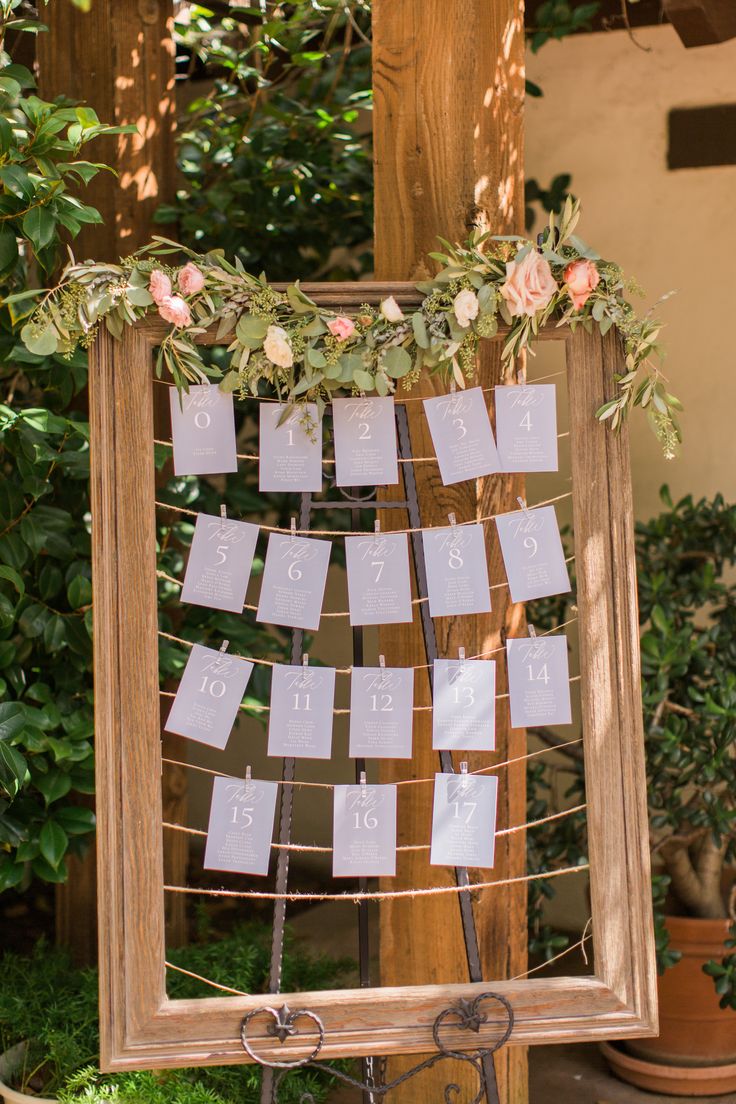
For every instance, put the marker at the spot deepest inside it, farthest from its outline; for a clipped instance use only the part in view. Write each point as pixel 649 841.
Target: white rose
pixel 465 304
pixel 391 310
pixel 277 348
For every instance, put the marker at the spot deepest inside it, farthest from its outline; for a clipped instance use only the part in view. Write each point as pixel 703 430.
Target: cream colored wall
pixel 603 118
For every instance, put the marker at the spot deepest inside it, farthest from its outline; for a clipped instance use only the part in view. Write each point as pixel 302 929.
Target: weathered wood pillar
pixel 448 124
pixel 119 59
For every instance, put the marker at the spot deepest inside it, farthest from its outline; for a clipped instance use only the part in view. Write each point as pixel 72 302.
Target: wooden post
pixel 449 91
pixel 119 59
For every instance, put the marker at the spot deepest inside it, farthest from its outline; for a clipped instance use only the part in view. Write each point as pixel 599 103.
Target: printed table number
pixel 364 831
pixel 294 578
pixel 290 447
pixel 300 721
pixel 220 562
pixel 533 554
pixel 462 435
pixel 464 705
pixel 464 820
pixel 209 696
pixel 203 431
pixel 240 830
pixel 539 681
pixel 457 570
pixel 379 580
pixel 381 712
pixel 365 442
pixel 526 427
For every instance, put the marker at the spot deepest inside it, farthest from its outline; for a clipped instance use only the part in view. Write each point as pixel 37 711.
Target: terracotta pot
pixel 670 1080
pixel 10 1061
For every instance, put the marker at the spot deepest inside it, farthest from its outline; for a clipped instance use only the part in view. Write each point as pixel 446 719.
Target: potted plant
pixel 49 1038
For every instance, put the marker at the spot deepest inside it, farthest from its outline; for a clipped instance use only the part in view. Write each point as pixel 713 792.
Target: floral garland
pixel 305 352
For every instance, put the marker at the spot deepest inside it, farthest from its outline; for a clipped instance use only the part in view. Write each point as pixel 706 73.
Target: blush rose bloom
pixel 529 285
pixel 581 278
pixel 173 309
pixel 159 286
pixel 466 307
pixel 277 348
pixel 341 327
pixel 391 310
pixel 191 279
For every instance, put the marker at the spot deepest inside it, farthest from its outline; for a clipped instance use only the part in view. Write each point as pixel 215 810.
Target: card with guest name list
pixel 526 427
pixel 464 820
pixel 209 696
pixel 300 721
pixel 364 831
pixel 464 705
pixel 457 570
pixel 533 554
pixel 203 431
pixel 293 585
pixel 220 562
pixel 539 681
pixel 462 435
pixel 240 830
pixel 365 442
pixel 379 581
pixel 381 712
pixel 290 447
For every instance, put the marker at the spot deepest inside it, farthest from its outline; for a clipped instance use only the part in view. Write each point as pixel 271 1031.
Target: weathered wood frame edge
pixel 140 1027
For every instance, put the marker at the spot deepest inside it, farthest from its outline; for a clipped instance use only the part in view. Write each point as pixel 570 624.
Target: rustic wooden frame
pixel 140 1026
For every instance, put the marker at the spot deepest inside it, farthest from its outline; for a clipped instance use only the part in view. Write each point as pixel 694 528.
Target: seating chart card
pixel 203 431
pixel 462 435
pixel 240 830
pixel 381 712
pixel 293 585
pixel 379 580
pixel 464 705
pixel 464 820
pixel 365 442
pixel 300 722
pixel 457 570
pixel 526 427
pixel 364 831
pixel 209 696
pixel 539 681
pixel 290 447
pixel 220 562
pixel 533 554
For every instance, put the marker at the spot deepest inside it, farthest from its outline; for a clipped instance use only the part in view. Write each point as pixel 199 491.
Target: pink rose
pixel 582 278
pixel 341 327
pixel 159 286
pixel 173 309
pixel 529 285
pixel 191 279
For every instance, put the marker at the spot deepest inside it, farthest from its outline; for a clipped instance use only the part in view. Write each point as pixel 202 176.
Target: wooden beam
pixel 449 92
pixel 702 22
pixel 119 59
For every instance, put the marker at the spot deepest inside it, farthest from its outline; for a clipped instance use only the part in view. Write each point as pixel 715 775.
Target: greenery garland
pixel 306 352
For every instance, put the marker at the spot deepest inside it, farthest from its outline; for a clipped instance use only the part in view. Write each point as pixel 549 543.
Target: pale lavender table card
pixel 365 442
pixel 300 721
pixel 364 831
pixel 381 712
pixel 464 820
pixel 203 431
pixel 219 564
pixel 526 427
pixel 293 585
pixel 539 681
pixel 290 452
pixel 240 830
pixel 209 696
pixel 533 554
pixel 462 435
pixel 464 705
pixel 457 570
pixel 379 581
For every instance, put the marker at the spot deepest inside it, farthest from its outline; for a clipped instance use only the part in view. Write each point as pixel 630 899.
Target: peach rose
pixel 529 285
pixel 159 286
pixel 341 327
pixel 581 278
pixel 277 348
pixel 173 309
pixel 191 279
